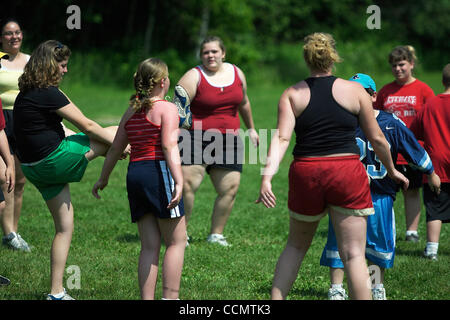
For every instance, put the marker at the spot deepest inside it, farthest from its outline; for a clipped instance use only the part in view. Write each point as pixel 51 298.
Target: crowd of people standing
pixel 334 122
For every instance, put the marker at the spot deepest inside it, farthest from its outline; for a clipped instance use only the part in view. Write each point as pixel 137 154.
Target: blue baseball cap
pixel 365 80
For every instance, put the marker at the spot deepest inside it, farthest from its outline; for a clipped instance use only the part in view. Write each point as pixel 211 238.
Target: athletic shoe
pixel 217 238
pixel 337 294
pixel 25 245
pixel 15 242
pixel 62 296
pixel 4 281
pixel 412 237
pixel 379 294
pixel 431 256
pixel 187 240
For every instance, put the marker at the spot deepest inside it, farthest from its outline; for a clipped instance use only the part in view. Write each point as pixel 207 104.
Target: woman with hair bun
pixel 405 97
pixel 326 175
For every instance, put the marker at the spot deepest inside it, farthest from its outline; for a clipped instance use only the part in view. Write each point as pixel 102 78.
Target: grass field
pixel 106 246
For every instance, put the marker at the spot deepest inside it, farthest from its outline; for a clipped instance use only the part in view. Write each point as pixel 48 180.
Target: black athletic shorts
pixel 437 207
pixel 414 176
pixel 215 149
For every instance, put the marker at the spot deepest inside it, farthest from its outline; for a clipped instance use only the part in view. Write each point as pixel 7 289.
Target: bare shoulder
pixel 190 76
pixel 189 82
pixel 165 108
pixel 348 94
pixel 298 96
pixel 240 73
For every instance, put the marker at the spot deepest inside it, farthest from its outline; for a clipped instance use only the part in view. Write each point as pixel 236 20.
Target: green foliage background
pixel 263 37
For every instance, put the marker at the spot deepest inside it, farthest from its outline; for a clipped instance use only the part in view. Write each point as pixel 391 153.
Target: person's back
pixel 144 134
pixel 326 127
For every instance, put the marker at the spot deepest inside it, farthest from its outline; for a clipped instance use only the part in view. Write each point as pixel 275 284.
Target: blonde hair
pixel 319 51
pixel 149 72
pixel 42 70
pixel 400 53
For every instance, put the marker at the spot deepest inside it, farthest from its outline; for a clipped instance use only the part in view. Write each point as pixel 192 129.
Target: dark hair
pixel 209 39
pixel 4 22
pixel 446 76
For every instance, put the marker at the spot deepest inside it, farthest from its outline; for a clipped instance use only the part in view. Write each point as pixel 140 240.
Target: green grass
pixel 106 246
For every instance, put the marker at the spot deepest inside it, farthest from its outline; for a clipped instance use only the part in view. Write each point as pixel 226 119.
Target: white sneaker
pixel 25 245
pixel 337 294
pixel 187 240
pixel 60 296
pixel 14 241
pixel 218 238
pixel 379 294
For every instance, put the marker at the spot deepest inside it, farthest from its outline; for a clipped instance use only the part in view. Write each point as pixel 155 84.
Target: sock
pixel 411 232
pixel 432 247
pixel 378 286
pixel 337 286
pixel 59 295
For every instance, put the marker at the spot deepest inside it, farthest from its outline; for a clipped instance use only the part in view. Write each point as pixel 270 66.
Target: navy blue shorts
pixel 149 187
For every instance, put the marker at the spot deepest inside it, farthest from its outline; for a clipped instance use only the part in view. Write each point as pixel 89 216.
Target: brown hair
pixel 212 39
pixel 319 51
pixel 42 70
pixel 400 53
pixel 446 76
pixel 149 72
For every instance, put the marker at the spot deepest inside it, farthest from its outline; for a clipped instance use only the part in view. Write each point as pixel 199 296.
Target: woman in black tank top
pixel 326 174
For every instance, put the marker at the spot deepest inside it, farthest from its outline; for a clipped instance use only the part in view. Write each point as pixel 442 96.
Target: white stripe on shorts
pixel 169 186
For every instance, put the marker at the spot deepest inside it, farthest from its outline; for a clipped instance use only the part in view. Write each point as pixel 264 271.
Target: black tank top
pixel 324 127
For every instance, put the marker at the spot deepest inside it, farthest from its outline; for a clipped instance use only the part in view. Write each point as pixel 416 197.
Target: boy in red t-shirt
pixel 405 97
pixel 436 137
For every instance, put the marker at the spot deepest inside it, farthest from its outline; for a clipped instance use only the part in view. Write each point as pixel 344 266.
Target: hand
pixel 176 196
pixel 126 152
pixel 266 195
pixel 254 138
pixel 100 184
pixel 399 178
pixel 434 182
pixel 10 177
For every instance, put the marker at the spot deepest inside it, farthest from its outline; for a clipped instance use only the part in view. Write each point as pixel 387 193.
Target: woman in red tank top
pixel 218 92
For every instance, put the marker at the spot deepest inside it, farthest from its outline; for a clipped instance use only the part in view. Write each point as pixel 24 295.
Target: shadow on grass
pixel 297 293
pixel 128 238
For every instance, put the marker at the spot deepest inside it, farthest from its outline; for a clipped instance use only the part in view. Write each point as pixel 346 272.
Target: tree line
pixel 247 27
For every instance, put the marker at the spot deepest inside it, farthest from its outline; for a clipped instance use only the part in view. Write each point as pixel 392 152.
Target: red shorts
pixel 316 184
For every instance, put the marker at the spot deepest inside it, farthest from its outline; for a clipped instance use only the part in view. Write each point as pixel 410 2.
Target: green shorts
pixel 66 164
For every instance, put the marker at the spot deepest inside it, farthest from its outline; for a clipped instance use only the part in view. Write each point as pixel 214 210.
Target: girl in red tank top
pixel 154 177
pixel 217 106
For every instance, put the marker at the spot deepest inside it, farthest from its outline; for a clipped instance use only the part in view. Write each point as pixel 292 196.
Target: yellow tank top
pixel 9 87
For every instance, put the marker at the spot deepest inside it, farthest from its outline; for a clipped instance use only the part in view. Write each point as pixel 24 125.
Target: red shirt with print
pixel 405 101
